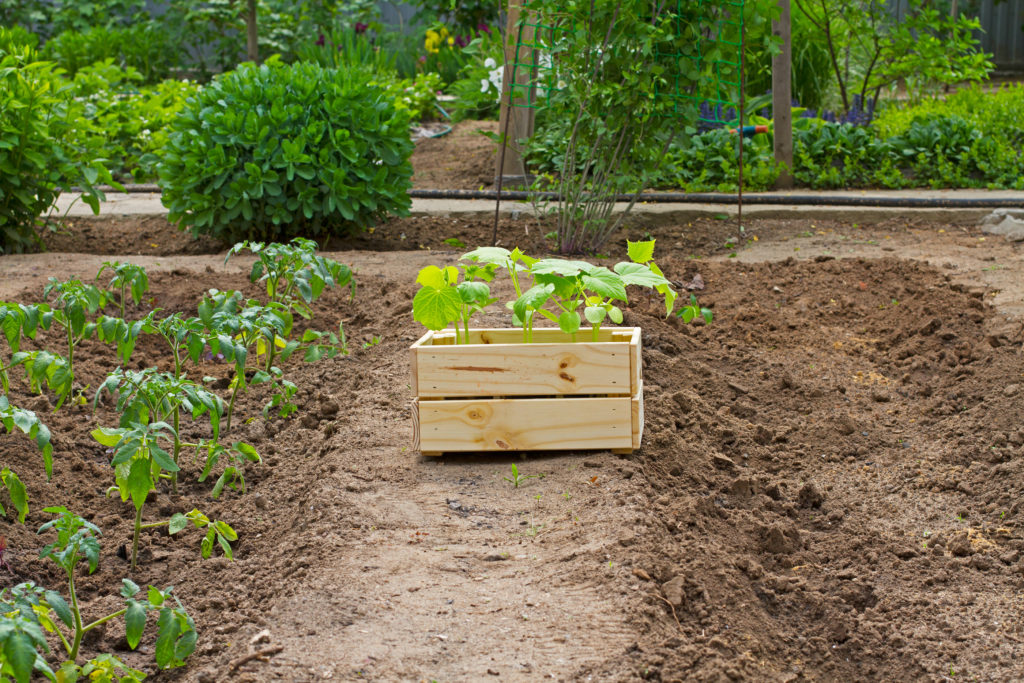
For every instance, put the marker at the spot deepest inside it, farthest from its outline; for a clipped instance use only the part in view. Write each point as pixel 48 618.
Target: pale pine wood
pixel 525 424
pixel 637 414
pixel 497 363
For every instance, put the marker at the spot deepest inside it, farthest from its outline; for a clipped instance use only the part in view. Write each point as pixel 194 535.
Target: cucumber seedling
pixel 443 300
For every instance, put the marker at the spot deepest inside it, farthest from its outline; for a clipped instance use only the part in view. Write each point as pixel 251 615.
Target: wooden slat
pixel 637 413
pixel 524 369
pixel 525 424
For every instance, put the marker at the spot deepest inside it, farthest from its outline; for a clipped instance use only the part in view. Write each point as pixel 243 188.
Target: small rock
pixel 722 462
pixel 495 557
pixel 1011 390
pixel 1006 222
pixel 959 544
pixel 259 500
pixel 261 637
pixel 738 388
pixel 809 496
pixel 675 591
pixel 641 574
pixel 627 539
pixel 981 562
pixel 493 672
pixel 206 676
pixel 776 541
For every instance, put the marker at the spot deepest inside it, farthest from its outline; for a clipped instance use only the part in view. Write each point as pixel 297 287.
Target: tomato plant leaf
pixel 134 623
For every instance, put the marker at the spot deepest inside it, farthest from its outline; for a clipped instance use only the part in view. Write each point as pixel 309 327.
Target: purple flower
pixel 361 27
pixel 320 40
pixel 462 41
pixel 483 27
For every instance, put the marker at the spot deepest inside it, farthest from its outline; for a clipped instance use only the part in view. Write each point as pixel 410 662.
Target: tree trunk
pixel 251 42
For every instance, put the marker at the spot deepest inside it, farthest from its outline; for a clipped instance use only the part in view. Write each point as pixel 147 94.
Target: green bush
pixel 275 151
pixel 125 123
pixel 39 151
pixel 143 47
pixel 15 39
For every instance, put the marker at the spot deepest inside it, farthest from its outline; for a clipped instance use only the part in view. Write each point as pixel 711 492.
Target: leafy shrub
pixel 144 47
pixel 125 123
pixel 14 40
pixel 38 152
pixel 478 88
pixel 52 17
pixel 275 151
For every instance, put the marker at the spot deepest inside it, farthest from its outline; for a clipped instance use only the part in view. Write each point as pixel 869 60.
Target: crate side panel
pixel 523 370
pixel 638 417
pixel 525 424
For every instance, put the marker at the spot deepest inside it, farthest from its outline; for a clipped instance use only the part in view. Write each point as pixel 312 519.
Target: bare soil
pixel 830 485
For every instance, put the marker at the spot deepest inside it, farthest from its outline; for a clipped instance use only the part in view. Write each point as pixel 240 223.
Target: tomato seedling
pixel 128 279
pixel 18 495
pixel 295 274
pixel 27 422
pixel 29 609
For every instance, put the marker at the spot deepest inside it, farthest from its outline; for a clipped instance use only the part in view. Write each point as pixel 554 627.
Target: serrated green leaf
pixel 436 308
pixel 640 252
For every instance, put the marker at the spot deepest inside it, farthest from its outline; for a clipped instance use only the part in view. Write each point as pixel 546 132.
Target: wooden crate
pixel 498 394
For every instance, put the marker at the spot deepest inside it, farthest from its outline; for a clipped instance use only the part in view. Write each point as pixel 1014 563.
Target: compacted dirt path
pixel 829 486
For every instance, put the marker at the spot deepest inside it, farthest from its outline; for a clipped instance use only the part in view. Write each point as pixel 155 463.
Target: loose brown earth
pixel 829 486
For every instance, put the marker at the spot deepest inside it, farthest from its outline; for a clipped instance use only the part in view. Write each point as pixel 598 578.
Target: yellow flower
pixel 451 42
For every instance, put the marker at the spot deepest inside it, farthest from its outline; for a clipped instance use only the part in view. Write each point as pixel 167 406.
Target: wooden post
pixel 509 165
pixel 782 98
pixel 251 36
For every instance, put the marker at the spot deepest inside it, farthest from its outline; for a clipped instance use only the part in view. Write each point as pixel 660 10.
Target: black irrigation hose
pixel 719 198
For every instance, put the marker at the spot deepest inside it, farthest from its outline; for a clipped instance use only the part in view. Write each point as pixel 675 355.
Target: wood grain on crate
pixel 524 424
pixel 497 363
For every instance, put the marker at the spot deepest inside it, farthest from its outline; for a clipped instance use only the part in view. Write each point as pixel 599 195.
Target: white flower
pixel 484 84
pixel 490 63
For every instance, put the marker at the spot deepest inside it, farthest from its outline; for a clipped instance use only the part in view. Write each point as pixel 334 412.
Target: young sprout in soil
pixel 216 531
pixel 128 279
pixel 694 310
pixel 517 479
pixel 29 609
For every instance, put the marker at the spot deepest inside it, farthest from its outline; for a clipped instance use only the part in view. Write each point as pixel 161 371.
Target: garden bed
pixel 829 484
